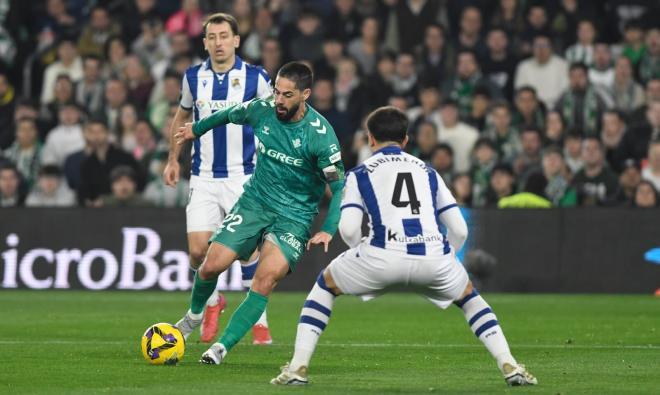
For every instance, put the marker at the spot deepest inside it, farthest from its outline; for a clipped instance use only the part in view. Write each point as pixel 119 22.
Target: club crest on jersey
pixel 204 82
pixel 296 143
pixel 235 83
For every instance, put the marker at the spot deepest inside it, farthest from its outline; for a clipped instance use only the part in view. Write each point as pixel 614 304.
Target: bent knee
pixel 197 255
pixel 264 284
pixel 468 289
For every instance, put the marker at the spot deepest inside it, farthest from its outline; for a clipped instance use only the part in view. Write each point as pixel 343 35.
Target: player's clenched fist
pixel 185 133
pixel 171 173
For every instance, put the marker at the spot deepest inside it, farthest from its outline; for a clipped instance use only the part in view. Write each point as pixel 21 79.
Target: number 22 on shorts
pixel 230 221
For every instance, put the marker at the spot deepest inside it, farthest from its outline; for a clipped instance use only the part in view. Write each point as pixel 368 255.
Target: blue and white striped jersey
pixel 403 198
pixel 229 150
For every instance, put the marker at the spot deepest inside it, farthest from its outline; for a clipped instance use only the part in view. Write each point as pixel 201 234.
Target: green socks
pixel 243 319
pixel 201 291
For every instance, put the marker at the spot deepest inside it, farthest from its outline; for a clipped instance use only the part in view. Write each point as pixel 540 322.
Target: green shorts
pixel 249 223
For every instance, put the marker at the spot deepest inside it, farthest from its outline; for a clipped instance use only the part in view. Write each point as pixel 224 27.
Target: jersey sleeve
pixel 327 148
pixel 444 199
pixel 351 196
pixel 186 100
pixel 264 90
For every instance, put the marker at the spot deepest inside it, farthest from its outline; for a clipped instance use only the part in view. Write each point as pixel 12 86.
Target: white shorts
pixel 368 271
pixel 210 200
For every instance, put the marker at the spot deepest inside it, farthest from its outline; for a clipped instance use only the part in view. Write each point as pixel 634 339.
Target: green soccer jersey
pixel 294 159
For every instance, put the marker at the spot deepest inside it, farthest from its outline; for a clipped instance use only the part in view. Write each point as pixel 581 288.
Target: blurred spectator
pixel 499 64
pixel 404 81
pixel 509 16
pixel 115 53
pixel 7 104
pixel 651 94
pixel 25 152
pixel 63 96
pixel 381 84
pixel 628 180
pixel 161 195
pixel 242 11
pixel 461 186
pixel 124 134
pixel 365 48
pixel 344 21
pixel 573 151
pixel 564 24
pixel 188 19
pixel 532 196
pixel 97 32
pixel 601 72
pixel 11 193
pixel 502 184
pixel 595 184
pixel 307 41
pixel 145 146
pixel 179 45
pixel 469 36
pixel 152 43
pixel 124 187
pixel 114 98
pixel 529 111
pixel 360 147
pixel 583 50
pixel 555 128
pixel 485 158
pixel 253 42
pixel 581 104
pixel 442 160
pixel 58 22
pixel 503 134
pixel 324 102
pixel 435 58
pixel 633 41
pixel 50 190
pixel 428 110
pixel 27 109
pixel 66 138
pixel 626 94
pixel 409 23
pixel 426 138
pixel 646 196
pixel 350 93
pixel 134 13
pixel 68 63
pixel 614 127
pixel 458 135
pixel 536 24
pixel 160 104
pixel 529 159
pixel 649 64
pixel 635 143
pixel 89 90
pixel 138 81
pixel 271 56
pixel 652 172
pixel 480 105
pixel 545 72
pixel 95 168
pixel 468 78
pixel 558 190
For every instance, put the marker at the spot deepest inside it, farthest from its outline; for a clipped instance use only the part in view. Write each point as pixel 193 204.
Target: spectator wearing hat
pixel 502 184
pixel 485 158
pixel 50 190
pixel 502 133
pixel 458 135
pixel 629 178
pixel 595 184
pixel 12 194
pixel 646 196
pixel 652 172
pixel 123 184
pixel 96 167
pixel 558 190
pixel 66 138
pixel 25 152
pixel 532 196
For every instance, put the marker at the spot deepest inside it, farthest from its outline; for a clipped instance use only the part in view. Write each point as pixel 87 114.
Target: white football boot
pixel 518 375
pixel 187 324
pixel 214 355
pixel 289 377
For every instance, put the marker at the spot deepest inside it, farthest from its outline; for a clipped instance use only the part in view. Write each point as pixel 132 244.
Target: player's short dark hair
pixel 299 73
pixel 219 18
pixel 388 124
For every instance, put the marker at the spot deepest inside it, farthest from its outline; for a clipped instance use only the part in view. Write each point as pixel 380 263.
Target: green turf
pixel 75 342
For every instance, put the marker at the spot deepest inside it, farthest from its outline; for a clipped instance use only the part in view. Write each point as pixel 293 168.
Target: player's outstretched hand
pixel 171 173
pixel 185 133
pixel 320 238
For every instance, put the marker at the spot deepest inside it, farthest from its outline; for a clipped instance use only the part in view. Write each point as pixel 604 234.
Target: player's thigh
pixel 203 212
pixel 273 266
pixel 355 272
pixel 291 237
pixel 243 228
pixel 217 260
pixel 447 280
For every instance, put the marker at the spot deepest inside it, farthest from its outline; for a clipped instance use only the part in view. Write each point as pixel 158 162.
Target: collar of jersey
pixel 238 64
pixel 389 150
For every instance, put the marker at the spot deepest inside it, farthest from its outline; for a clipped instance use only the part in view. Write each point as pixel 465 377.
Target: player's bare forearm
pixel 332 218
pixel 180 118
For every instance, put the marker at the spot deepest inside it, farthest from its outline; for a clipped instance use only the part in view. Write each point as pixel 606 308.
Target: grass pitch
pixel 83 342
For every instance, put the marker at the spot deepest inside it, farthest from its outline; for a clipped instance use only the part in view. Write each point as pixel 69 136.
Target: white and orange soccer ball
pixel 163 344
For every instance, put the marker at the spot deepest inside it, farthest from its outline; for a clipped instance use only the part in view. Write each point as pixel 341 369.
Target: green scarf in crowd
pixel 589 111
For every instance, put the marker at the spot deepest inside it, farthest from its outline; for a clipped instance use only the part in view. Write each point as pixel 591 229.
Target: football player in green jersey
pixel 298 154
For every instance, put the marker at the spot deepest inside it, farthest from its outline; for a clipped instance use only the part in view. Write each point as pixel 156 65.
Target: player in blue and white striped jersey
pixel 222 161
pixel 406 201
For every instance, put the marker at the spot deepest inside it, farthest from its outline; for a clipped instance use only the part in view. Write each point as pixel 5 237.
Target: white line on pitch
pixel 378 345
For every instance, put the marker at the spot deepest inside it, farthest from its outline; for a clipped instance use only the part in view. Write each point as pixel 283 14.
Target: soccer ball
pixel 163 344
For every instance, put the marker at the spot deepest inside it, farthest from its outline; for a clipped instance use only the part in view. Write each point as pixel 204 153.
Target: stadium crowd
pixel 515 103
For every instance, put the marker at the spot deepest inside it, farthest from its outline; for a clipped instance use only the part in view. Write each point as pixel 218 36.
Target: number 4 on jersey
pixel 407 179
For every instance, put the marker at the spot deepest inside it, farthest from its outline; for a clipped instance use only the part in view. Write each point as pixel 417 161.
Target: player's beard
pixel 286 116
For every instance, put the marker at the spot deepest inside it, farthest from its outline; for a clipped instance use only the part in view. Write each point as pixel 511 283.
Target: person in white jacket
pixel 545 71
